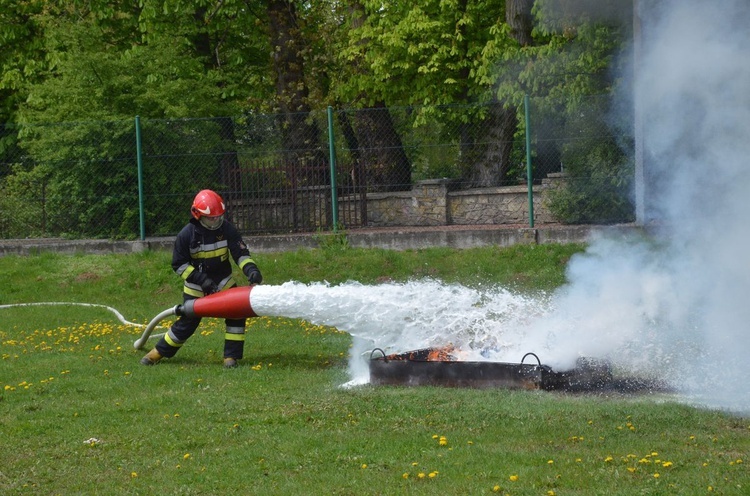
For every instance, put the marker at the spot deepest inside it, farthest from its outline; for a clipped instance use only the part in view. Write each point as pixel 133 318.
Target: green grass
pixel 79 415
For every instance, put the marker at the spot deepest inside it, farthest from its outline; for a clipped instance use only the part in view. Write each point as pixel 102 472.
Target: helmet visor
pixel 212 223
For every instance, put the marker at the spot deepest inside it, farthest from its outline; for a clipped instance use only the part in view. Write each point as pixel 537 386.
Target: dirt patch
pixel 87 276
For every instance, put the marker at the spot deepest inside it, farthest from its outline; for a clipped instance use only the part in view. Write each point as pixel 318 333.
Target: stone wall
pixel 437 203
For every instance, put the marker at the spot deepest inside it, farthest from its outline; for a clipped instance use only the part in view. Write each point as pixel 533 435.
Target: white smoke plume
pixel 678 304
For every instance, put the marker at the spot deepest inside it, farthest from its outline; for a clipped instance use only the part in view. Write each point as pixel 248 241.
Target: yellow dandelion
pixel 134 474
pixel 186 456
pixel 496 489
pixel 414 464
pixel 656 475
pixel 550 462
pixel 513 478
pixel 608 459
pixel 739 461
pixel 432 475
pixel 405 475
pixel 551 493
pixel 364 465
pixel 435 436
pixel 420 475
pixel 631 470
pixel 666 464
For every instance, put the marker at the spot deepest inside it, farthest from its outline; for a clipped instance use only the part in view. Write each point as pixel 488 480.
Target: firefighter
pixel 201 257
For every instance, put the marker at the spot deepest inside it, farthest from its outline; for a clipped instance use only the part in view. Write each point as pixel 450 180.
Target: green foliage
pixel 599 175
pixel 332 242
pixel 424 53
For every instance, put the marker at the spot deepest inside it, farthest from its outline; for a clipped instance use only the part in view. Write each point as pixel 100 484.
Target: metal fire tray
pixel 437 367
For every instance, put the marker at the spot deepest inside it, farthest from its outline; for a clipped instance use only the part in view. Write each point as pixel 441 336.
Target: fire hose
pixel 231 303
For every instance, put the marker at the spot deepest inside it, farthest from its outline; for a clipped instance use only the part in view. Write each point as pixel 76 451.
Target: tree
pixel 301 136
pixel 374 142
pixel 104 90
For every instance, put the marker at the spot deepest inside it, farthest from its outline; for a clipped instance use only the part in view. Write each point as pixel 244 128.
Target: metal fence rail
pixel 302 172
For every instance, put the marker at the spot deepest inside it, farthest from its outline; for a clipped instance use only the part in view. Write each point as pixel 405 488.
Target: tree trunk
pixel 518 16
pixel 229 166
pixel 299 133
pixel 493 157
pixel 380 150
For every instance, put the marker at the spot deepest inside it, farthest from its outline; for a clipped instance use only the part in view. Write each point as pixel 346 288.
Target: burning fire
pixel 443 354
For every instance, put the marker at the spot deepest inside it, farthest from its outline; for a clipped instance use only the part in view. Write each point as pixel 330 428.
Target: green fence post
pixel 141 206
pixel 529 175
pixel 332 159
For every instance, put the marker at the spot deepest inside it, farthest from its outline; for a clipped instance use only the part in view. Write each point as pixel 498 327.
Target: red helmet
pixel 208 209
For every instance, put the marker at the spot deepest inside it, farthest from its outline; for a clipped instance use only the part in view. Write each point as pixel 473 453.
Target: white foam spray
pixel 398 317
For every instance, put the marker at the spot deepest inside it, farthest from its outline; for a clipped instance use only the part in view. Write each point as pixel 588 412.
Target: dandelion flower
pixel 432 475
pixel 405 475
pixel 420 475
pixel 186 456
pixel 496 489
pixel 513 478
pixel 134 474
pixel 364 465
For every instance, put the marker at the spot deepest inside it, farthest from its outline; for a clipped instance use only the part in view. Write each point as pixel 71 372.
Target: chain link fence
pixel 309 171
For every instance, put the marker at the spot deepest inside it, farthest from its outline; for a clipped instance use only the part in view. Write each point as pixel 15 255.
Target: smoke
pixel 677 303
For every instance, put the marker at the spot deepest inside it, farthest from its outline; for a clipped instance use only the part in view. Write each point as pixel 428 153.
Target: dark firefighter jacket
pixel 197 249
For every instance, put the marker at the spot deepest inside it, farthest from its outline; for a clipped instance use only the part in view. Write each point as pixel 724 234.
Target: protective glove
pixel 208 286
pixel 252 273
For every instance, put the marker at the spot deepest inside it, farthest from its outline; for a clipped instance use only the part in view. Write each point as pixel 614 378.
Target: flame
pixel 442 354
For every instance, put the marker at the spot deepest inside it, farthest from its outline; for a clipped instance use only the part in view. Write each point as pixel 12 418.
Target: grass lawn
pixel 80 415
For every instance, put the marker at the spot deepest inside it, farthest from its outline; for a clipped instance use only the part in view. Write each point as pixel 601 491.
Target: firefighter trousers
pixel 185 327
